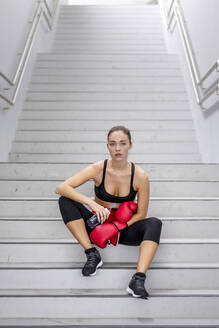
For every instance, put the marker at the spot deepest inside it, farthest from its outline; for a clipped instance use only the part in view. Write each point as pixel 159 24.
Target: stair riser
pixel 67 136
pixel 157 188
pixel 139 58
pixel 157 208
pixel 107 105
pixel 102 125
pixel 109 42
pixel 108 29
pixel 58 252
pixel 72 278
pixel 98 148
pixel 107 115
pixel 110 49
pixel 85 158
pixel 101 72
pixel 57 229
pixel 90 36
pixel 106 88
pixel 115 65
pixel 100 96
pixel 150 82
pixel 61 171
pixel 102 307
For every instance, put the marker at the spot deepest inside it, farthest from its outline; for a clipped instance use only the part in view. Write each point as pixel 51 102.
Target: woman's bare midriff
pixel 105 204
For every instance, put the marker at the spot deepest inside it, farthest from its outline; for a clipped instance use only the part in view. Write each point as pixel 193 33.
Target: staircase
pixel 108 66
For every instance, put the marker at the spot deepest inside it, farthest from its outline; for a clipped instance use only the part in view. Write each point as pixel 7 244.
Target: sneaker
pixel 93 262
pixel 136 286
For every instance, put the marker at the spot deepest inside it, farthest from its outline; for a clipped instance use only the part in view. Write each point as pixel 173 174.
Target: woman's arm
pixel 67 188
pixel 143 198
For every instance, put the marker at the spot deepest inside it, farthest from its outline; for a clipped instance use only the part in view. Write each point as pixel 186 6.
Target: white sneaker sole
pixel 98 265
pixel 130 291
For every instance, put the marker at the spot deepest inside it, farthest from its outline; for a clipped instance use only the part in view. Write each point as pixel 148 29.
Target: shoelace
pixel 140 283
pixel 91 258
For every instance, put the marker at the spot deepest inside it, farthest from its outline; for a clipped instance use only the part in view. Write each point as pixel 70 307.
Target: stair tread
pixel 183 218
pixel 151 198
pixel 106 265
pixel 105 292
pixel 73 241
pixel 114 322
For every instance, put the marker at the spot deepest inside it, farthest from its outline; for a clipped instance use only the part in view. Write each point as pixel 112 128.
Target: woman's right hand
pixel 101 212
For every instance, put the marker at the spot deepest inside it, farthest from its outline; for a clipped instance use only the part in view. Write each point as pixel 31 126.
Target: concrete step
pixel 149 81
pixel 41 278
pixel 111 12
pixel 109 29
pixel 108 32
pixel 76 87
pixel 111 322
pixel 135 58
pixel 105 64
pixel 67 136
pixel 157 172
pixel 84 158
pixel 140 21
pixel 105 17
pixel 178 250
pixel 158 207
pixel 180 228
pixel 123 8
pixel 100 148
pixel 158 188
pixel 107 115
pixel 102 125
pixel 61 303
pixel 108 43
pixel 167 72
pixel 90 35
pixel 114 47
pixel 103 49
pixel 107 105
pixel 156 266
pixel 100 96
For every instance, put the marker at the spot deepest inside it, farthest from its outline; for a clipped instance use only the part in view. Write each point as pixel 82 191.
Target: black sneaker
pixel 136 286
pixel 93 262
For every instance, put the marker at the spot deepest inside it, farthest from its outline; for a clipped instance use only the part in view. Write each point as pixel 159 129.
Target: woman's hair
pixel 120 128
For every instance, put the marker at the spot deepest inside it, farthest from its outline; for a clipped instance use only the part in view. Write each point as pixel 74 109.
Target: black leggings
pixel 146 229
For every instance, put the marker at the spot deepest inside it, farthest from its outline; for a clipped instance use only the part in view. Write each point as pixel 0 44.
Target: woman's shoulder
pixel 98 165
pixel 139 172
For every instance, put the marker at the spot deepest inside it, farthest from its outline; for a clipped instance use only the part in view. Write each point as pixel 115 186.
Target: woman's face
pixel 118 145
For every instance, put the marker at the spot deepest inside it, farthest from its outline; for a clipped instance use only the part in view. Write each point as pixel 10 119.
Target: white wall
pixel 202 23
pixel 14 27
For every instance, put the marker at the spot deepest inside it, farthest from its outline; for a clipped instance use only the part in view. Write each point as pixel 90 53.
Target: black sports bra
pixel 102 194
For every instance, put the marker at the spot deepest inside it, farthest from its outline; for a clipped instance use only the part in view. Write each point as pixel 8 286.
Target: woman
pixel 116 180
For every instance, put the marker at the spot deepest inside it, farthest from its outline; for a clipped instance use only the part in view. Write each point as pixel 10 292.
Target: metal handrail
pixel 41 10
pixel 201 93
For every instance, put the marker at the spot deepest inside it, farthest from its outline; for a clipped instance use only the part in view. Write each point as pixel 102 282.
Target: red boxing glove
pixel 120 226
pixel 107 233
pixel 123 215
pixel 102 233
pixel 126 210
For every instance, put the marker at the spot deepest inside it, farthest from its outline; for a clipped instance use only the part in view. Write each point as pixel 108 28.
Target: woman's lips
pixel 118 155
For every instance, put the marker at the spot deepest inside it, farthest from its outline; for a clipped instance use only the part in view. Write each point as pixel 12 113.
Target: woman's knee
pixel 152 231
pixel 69 209
pixel 155 221
pixel 64 201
